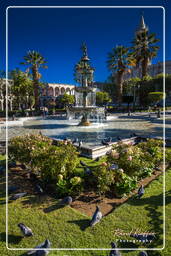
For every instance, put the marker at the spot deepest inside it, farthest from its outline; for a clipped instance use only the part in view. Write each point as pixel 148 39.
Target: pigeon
pixel 118 138
pixel 143 253
pixel 133 135
pixel 17 196
pixel 141 191
pixel 114 252
pixel 39 189
pixel 65 138
pixel 87 171
pixel 26 231
pixel 67 200
pixel 82 163
pixel 80 143
pixel 105 143
pixel 96 217
pixel 144 238
pixel 45 246
pixel 12 189
pixel 75 141
pixel 109 139
pixel 114 167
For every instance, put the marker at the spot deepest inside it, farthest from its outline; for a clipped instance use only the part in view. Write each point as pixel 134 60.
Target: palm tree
pixel 143 49
pixel 35 60
pixel 119 62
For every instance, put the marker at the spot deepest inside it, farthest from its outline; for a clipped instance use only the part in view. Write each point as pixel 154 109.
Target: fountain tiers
pixel 85 95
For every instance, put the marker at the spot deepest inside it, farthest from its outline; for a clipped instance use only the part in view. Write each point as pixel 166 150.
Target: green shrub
pixel 104 178
pixel 126 184
pixel 54 164
pixel 28 149
pixel 155 97
pixel 131 163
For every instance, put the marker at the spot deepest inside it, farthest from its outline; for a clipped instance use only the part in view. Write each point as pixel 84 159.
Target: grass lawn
pixel 68 228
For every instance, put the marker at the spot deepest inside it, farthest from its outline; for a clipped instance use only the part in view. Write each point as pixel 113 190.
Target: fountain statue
pixel 85 94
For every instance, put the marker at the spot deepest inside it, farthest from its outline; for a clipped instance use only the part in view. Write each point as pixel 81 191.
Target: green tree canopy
pixel 66 99
pixel 35 61
pixel 102 98
pixel 144 49
pixel 119 61
pixel 155 97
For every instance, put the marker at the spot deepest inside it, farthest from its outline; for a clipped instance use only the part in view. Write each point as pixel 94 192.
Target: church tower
pixel 142 27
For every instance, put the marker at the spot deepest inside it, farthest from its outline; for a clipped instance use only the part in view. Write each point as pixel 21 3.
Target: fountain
pixel 85 94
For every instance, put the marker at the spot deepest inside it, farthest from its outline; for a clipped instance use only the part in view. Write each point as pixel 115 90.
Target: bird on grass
pixel 87 171
pixel 39 189
pixel 114 251
pixel 17 196
pixel 26 231
pixel 97 216
pixel 141 191
pixel 45 246
pixel 143 253
pixel 67 200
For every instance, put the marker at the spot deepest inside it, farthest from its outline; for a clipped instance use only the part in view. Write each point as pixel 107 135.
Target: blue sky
pixel 58 33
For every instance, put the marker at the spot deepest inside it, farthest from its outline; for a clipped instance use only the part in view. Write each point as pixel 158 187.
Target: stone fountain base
pixel 84 121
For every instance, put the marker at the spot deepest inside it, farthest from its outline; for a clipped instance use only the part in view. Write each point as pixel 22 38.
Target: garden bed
pixel 107 182
pixel 85 203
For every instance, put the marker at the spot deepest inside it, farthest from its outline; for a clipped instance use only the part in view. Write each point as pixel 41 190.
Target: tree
pixel 144 48
pixel 102 98
pixel 66 99
pixel 22 87
pixel 35 61
pixel 130 85
pixel 155 97
pixel 119 61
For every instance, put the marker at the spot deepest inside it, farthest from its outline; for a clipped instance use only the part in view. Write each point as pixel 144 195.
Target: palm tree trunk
pixel 119 87
pixel 36 85
pixel 144 67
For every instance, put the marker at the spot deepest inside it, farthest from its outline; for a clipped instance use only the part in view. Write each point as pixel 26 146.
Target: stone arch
pixel 62 90
pixel 50 91
pixel 57 91
pixel 44 92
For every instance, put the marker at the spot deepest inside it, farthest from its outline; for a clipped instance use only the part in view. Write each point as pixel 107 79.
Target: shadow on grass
pixel 53 207
pixel 152 200
pixel 34 200
pixel 83 224
pixel 156 217
pixel 11 238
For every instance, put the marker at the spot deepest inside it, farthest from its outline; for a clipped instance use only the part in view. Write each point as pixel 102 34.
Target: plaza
pixel 86 162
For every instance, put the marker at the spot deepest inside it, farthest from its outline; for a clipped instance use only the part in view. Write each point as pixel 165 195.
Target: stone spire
pixel 142 27
pixel 85 54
